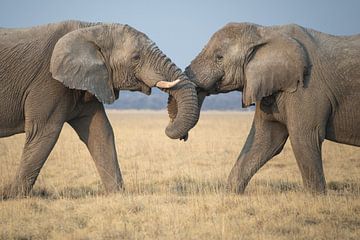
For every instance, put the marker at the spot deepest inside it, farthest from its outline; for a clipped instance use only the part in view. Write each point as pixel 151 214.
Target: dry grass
pixel 176 190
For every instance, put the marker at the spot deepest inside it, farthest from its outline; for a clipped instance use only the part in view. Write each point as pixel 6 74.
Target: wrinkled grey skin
pixel 306 86
pixel 64 72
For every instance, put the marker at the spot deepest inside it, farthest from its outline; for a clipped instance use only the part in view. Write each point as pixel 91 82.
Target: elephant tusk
pixel 164 84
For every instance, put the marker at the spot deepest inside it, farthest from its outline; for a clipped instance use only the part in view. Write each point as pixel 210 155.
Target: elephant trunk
pixel 172 104
pixel 201 94
pixel 183 110
pixel 183 102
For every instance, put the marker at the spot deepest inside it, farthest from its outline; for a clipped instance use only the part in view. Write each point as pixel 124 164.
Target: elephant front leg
pixel 94 129
pixel 265 140
pixel 306 145
pixel 40 140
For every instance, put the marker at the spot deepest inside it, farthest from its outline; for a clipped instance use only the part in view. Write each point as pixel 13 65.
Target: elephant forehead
pixel 228 43
pixel 126 47
pixel 128 42
pixel 236 49
pixel 219 40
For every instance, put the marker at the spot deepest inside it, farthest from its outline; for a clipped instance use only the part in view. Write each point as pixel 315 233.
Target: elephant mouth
pixel 213 86
pixel 137 88
pixel 144 89
pixel 204 91
pixel 214 89
pixel 220 87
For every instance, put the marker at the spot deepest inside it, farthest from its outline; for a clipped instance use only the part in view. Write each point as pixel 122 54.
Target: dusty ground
pixel 176 190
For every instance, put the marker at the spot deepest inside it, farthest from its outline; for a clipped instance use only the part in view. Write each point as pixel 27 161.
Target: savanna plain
pixel 177 190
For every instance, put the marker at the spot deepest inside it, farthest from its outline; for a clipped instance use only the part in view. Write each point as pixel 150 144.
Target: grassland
pixel 176 190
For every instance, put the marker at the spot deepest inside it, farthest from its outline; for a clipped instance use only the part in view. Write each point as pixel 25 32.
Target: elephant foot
pixel 114 187
pixel 12 191
pixel 316 187
pixel 5 192
pixel 235 185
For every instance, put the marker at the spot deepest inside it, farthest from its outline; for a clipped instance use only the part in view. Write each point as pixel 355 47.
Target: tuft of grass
pixel 352 188
pixel 185 185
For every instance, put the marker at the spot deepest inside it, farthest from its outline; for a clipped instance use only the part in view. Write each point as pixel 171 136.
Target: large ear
pixel 77 62
pixel 277 64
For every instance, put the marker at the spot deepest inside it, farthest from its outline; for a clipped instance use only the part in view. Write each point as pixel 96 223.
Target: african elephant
pixel 306 86
pixel 64 72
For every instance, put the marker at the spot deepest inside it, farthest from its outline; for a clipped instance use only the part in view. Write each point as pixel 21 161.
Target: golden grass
pixel 176 190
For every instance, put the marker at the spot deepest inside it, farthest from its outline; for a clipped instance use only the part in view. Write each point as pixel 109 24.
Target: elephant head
pixel 246 57
pixel 105 58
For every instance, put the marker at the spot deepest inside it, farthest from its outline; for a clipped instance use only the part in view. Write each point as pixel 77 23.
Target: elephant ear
pixel 276 65
pixel 77 62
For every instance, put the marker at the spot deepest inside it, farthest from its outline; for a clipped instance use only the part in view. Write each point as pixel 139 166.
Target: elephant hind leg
pixel 265 140
pixel 306 145
pixel 94 129
pixel 40 139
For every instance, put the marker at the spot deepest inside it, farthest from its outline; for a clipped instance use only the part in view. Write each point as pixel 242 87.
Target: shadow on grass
pixel 188 185
pixel 68 192
pixel 352 188
pixel 279 186
pixel 182 185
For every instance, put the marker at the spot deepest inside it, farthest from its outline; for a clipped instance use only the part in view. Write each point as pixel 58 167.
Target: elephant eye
pixel 219 57
pixel 136 57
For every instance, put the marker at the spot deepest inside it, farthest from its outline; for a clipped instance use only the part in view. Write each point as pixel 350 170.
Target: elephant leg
pixel 265 140
pixel 306 145
pixel 40 140
pixel 94 129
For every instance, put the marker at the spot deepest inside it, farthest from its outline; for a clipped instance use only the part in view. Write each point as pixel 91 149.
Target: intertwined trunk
pixel 183 108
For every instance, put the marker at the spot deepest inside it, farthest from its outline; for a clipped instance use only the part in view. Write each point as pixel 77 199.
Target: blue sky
pixel 181 28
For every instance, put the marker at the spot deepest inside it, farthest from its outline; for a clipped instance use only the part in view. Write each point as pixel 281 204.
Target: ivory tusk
pixel 164 84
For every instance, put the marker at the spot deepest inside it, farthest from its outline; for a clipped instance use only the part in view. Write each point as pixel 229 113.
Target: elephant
pixel 305 86
pixel 63 73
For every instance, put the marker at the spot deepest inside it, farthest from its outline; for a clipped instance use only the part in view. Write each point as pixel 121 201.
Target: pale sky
pixel 181 28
